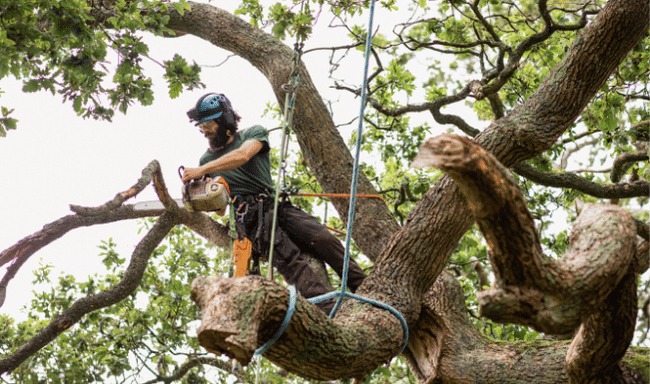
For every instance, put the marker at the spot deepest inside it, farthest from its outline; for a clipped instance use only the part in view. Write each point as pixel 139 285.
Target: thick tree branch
pixel 240 314
pixel 573 181
pixel 593 284
pixel 446 347
pixel 516 254
pixel 495 202
pixel 596 351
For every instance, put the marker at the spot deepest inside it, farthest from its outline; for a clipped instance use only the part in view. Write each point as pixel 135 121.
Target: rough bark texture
pixel 412 260
pixel 446 348
pixel 240 314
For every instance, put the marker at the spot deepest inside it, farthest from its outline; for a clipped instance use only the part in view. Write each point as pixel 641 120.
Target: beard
pixel 219 141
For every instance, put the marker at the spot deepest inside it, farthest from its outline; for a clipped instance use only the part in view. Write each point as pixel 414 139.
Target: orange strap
pixel 242 251
pixel 340 195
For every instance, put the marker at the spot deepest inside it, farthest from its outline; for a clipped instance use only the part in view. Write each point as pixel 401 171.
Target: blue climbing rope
pixel 342 293
pixel 355 168
pixel 291 308
pixel 373 302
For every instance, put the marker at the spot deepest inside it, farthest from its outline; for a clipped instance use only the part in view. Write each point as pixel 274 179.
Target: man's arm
pixel 231 160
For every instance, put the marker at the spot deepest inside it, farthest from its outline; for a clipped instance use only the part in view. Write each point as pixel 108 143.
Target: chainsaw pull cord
pixel 289 107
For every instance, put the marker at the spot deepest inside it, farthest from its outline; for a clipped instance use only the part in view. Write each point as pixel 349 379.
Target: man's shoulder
pixel 255 131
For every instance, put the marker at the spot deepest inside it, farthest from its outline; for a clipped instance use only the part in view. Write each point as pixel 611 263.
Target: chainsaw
pixel 204 195
pixel 209 195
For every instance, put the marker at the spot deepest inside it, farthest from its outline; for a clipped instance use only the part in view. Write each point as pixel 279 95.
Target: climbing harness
pixel 341 294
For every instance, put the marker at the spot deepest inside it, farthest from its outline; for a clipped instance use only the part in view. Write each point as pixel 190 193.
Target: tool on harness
pixel 242 252
pixel 206 195
pixel 242 246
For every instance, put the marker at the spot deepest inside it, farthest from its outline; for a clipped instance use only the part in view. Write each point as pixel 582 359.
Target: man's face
pixel 209 129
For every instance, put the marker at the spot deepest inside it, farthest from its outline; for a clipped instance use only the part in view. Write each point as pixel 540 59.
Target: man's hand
pixel 227 162
pixel 192 174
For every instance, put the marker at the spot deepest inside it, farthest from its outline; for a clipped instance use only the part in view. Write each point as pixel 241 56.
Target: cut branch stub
pixel 496 202
pixel 240 314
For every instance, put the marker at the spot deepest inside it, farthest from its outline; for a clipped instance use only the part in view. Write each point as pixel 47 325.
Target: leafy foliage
pixel 148 335
pixel 65 47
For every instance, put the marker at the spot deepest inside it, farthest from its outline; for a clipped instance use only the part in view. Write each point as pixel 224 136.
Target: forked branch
pixel 591 287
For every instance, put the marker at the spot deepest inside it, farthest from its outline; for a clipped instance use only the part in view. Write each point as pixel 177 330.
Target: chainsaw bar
pixel 154 204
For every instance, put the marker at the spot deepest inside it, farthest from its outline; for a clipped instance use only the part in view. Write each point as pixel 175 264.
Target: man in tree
pixel 242 159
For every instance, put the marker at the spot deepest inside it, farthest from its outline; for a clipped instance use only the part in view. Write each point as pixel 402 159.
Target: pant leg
pixel 298 269
pixel 308 233
pixel 296 266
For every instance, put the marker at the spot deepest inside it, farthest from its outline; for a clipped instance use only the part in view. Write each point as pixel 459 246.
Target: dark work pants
pixel 299 237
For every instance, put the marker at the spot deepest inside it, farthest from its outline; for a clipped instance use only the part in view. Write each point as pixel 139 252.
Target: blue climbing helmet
pixel 212 106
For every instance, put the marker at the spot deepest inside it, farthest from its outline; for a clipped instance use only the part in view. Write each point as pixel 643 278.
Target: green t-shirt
pixel 252 178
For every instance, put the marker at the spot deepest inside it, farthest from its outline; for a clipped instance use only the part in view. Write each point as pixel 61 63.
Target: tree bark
pixel 446 348
pixel 592 286
pixel 240 314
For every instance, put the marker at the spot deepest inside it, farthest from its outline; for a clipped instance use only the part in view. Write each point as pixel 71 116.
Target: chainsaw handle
pixel 186 186
pixel 181 170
